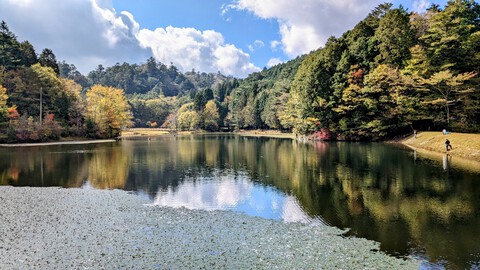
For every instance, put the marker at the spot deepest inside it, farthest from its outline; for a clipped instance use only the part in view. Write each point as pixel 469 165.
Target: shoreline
pixel 426 143
pixel 431 145
pixel 466 146
pixel 145 132
pixel 446 159
pixel 56 143
pixel 265 133
pixel 57 228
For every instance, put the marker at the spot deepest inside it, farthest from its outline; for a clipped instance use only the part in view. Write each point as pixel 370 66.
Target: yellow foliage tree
pixel 108 109
pixel 3 103
pixel 76 109
pixel 211 116
pixel 3 113
pixel 188 120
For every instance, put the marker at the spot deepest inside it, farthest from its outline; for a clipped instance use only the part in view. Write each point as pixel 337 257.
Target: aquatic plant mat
pixel 53 228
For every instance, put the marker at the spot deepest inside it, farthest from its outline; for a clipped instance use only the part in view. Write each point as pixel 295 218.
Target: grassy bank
pixel 265 133
pixel 134 132
pixel 465 145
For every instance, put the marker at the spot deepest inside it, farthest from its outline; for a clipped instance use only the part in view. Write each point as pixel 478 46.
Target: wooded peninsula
pixel 393 73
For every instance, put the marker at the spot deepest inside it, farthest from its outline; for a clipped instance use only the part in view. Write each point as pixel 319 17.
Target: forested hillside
pixel 42 99
pixel 36 104
pixel 392 73
pixel 395 71
pixel 153 89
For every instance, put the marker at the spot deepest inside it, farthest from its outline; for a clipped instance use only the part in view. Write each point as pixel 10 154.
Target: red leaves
pixel 13 113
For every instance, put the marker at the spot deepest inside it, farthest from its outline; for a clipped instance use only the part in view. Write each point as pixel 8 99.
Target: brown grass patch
pixel 465 145
pixel 134 132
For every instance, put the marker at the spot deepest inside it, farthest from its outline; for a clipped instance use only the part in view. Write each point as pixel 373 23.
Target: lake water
pixel 410 204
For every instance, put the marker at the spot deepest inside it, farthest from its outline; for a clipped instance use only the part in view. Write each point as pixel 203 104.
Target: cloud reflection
pixel 234 193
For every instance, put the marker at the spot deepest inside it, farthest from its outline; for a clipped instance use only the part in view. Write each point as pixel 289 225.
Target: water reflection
pixel 410 204
pixel 103 166
pixel 232 191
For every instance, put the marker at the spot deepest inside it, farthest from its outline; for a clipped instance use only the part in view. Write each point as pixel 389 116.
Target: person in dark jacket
pixel 448 145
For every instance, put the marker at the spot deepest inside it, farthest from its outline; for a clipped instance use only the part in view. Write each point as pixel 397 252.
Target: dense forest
pixel 42 99
pixel 394 72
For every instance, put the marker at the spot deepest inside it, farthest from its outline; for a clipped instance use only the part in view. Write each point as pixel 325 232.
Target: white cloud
pixel 224 192
pixel 306 25
pixel 189 48
pixel 420 6
pixel 206 195
pixel 273 62
pixel 256 44
pixel 87 33
pixel 274 44
pixel 21 3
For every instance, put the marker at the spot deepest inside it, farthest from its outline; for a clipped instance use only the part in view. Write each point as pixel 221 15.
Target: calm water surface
pixel 411 205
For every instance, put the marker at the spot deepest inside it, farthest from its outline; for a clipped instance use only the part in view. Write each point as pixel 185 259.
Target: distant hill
pixel 150 77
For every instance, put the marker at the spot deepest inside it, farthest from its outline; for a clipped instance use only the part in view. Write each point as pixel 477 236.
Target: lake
pixel 412 205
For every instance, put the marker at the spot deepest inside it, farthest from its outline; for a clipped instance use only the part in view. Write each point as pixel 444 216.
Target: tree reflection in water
pixel 410 204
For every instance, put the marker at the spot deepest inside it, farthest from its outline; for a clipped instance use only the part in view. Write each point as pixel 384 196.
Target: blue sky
pixel 239 28
pixel 235 37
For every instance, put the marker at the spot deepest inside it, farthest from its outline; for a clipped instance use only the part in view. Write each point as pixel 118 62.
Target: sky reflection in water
pixel 235 193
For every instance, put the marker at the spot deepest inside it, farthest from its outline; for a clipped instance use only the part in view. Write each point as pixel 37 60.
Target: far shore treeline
pixel 394 72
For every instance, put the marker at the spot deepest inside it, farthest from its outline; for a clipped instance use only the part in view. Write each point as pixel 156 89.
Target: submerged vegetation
pixel 394 72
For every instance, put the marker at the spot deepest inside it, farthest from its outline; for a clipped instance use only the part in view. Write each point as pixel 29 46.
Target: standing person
pixel 448 145
pixel 415 134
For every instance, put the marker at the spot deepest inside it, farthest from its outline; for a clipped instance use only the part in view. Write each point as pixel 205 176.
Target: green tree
pixel 418 65
pixel 208 94
pixel 74 108
pixel 29 56
pixel 199 102
pixel 48 59
pixel 158 109
pixel 50 89
pixel 312 90
pixel 69 71
pixel 151 110
pixel 453 39
pixel 250 113
pixel 10 54
pixel 235 115
pixel 275 105
pixel 384 104
pixel 394 36
pixel 448 90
